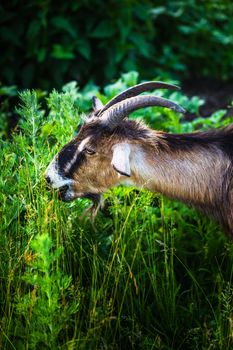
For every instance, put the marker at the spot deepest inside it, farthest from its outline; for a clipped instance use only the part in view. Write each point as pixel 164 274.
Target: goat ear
pixel 96 104
pixel 120 158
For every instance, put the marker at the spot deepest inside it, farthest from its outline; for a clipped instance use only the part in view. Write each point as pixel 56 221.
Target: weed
pixel 153 274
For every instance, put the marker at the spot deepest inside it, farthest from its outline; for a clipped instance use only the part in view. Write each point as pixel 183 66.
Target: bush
pixel 45 44
pixel 151 274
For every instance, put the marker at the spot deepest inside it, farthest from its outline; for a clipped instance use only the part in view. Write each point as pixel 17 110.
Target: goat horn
pixel 120 110
pixel 136 90
pixel 96 104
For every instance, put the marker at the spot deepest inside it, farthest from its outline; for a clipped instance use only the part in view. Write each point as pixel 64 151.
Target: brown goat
pixel 110 149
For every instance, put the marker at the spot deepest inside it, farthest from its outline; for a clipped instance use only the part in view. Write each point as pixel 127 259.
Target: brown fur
pixel 194 168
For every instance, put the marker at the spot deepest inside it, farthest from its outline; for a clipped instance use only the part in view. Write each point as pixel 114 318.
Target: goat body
pixel 110 149
pixel 194 168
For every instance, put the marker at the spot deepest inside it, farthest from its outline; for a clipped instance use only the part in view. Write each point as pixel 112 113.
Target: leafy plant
pixel 45 45
pixel 151 274
pixel 44 310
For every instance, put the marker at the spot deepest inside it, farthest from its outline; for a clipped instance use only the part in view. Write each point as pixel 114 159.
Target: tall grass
pixel 150 273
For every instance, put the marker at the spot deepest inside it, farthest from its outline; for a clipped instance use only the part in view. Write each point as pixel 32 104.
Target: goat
pixel 110 149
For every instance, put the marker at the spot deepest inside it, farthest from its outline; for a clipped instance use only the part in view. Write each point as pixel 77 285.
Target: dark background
pixel 45 44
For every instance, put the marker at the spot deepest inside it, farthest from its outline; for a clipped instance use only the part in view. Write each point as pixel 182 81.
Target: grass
pixel 150 274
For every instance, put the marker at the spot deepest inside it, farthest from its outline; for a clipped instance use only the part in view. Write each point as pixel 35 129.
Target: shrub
pixel 151 274
pixel 44 44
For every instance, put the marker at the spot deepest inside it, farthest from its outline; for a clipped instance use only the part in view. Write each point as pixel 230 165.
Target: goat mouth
pixel 65 196
pixel 62 193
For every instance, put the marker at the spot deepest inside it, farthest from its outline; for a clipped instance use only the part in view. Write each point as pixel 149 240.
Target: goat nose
pixel 47 178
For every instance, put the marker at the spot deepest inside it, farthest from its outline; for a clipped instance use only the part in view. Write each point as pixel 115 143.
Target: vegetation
pixel 45 44
pixel 149 274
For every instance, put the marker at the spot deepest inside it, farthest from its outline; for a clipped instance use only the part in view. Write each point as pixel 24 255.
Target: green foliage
pixel 198 39
pixel 150 274
pixel 45 44
pixel 5 114
pixel 44 309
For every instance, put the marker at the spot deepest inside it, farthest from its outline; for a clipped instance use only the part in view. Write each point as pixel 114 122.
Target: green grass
pixel 150 273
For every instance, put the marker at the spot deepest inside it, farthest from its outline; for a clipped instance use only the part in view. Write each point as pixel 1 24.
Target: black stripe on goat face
pixel 70 159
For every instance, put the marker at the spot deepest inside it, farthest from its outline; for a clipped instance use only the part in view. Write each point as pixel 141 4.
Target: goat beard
pixel 97 203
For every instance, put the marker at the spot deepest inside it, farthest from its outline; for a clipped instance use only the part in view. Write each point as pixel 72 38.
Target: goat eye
pixel 89 151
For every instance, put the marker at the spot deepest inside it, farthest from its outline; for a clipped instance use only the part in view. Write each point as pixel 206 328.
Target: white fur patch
pixel 131 158
pixel 79 149
pixel 120 159
pixel 140 165
pixel 56 179
pixel 83 144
